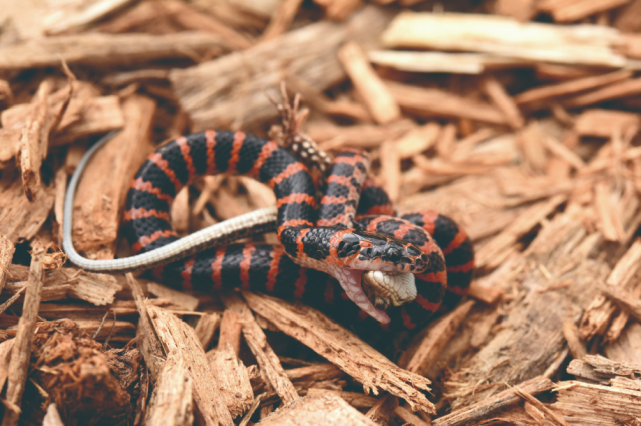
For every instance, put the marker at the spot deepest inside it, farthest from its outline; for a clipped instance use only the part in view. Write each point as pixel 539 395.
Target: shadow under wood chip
pixel 88 384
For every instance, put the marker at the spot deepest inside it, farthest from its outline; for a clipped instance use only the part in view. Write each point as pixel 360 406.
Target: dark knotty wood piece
pixel 21 351
pixel 343 349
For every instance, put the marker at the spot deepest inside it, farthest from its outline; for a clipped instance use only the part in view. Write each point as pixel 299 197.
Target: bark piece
pixel 215 94
pixel 343 349
pixel 312 410
pixel 177 336
pixel 622 89
pixel 556 90
pixel 502 100
pixel 67 19
pixel 580 44
pixel 418 140
pixel 571 333
pixel 356 400
pixel 271 369
pixel 6 255
pixel 439 103
pixel 626 348
pixel 106 49
pixel 21 351
pixel 231 328
pixel 628 20
pixel 104 185
pixel 437 62
pixel 383 409
pixel 421 355
pixel 339 9
pixel 171 403
pixel 576 403
pixel 186 301
pixel 233 380
pixel 281 19
pixel 522 10
pixel 603 123
pixel 206 327
pixel 481 409
pixel 390 170
pixel 376 96
pixel 574 10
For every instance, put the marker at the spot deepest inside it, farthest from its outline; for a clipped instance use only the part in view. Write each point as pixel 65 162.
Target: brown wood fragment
pixel 171 403
pixel 563 153
pixel 502 100
pixel 233 380
pixel 271 369
pixel 618 90
pixel 418 140
pixel 184 300
pixel 484 293
pixel 603 123
pixel 481 409
pixel 282 19
pixel 104 185
pixel 574 10
pixel 556 90
pixel 230 330
pixel 440 103
pixel 576 403
pixel 408 417
pixel 623 299
pixel 343 349
pixel 376 96
pixel 21 351
pixel 6 255
pixel 522 10
pixel 176 335
pixel 571 333
pixel 609 218
pixel 361 136
pixel 390 170
pixel 420 356
pixel 356 400
pixel 206 327
pixel 102 49
pixel 382 411
pixel 313 410
pixel 216 95
pixel 535 402
pixel 339 9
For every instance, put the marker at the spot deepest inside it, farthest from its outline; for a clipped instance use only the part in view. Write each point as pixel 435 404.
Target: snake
pixel 321 246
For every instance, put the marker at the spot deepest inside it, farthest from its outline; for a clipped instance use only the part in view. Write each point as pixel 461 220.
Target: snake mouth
pixel 350 280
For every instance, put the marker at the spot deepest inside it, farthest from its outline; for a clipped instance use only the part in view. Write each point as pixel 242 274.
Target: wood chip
pixel 441 62
pixel 206 327
pixel 233 380
pixel 571 333
pixel 177 336
pixel 281 19
pixel 535 402
pixel 103 187
pixel 6 255
pixel 106 49
pixel 343 349
pixel 271 370
pixel 603 123
pixel 390 169
pixel 376 96
pixel 505 37
pixel 21 351
pixel 309 410
pixel 215 94
pixel 502 100
pixel 52 418
pixel 618 90
pixel 574 10
pixel 382 411
pixel 420 356
pixel 416 141
pixel 230 330
pixel 171 403
pixel 439 103
pixel 507 397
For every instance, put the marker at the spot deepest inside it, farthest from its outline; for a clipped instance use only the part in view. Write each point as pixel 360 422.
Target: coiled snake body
pixel 337 244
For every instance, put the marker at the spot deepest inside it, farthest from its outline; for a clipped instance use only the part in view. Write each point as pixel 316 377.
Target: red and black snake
pixel 336 244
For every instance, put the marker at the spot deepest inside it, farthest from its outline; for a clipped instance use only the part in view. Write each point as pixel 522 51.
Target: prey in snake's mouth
pixel 358 251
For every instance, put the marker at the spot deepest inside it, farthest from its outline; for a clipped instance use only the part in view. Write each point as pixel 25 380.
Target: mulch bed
pixel 517 118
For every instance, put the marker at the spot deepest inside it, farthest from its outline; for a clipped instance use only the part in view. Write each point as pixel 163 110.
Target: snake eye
pixel 392 254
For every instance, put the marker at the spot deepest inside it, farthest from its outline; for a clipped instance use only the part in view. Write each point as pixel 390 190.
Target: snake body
pixel 315 254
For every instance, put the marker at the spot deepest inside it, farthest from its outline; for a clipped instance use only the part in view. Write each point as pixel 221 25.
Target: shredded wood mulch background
pixel 518 118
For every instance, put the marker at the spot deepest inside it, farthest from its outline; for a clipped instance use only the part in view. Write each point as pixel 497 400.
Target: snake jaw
pixel 387 289
pixel 350 280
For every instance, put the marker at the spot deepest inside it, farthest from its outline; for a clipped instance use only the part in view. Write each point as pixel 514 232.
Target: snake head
pixel 376 252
